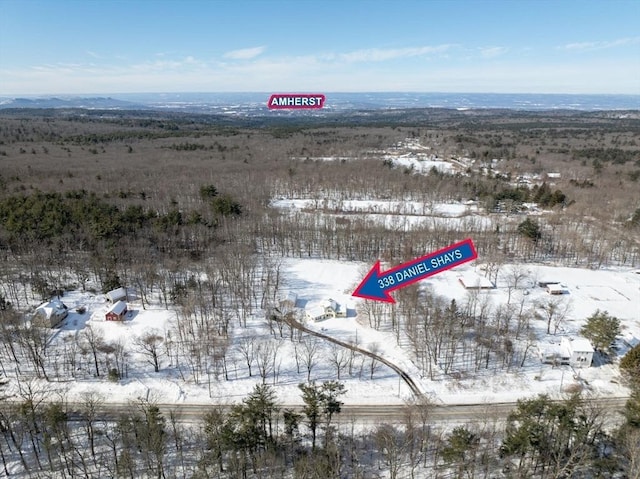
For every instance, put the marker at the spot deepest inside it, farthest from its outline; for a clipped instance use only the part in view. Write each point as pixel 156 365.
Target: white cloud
pixel 359 70
pixel 245 53
pixel 492 52
pixel 599 45
pixel 384 54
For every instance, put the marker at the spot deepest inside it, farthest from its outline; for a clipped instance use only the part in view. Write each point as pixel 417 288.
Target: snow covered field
pixel 615 291
pixel 393 215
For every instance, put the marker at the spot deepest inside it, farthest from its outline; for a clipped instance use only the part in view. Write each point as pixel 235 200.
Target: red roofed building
pixel 117 312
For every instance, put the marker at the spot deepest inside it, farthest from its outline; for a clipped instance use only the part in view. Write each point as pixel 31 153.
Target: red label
pixel 296 101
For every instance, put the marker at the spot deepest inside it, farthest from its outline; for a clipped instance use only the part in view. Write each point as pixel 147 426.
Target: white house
pixel 580 352
pixel 575 352
pixel 327 309
pixel 316 313
pixel 50 314
pixel 553 353
pixel 335 309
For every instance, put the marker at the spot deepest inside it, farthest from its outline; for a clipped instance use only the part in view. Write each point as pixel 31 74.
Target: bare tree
pixel 91 403
pixel 339 358
pixel 92 340
pixel 515 276
pixel 554 311
pixel 374 348
pixel 247 349
pixel 149 345
pixel 266 353
pixel 309 352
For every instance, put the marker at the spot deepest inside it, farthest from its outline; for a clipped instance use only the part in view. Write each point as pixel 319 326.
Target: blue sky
pixel 509 46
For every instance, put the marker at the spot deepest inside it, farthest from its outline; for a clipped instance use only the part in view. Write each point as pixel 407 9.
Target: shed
pixel 117 312
pixel 580 352
pixel 115 295
pixel 556 288
pixel 50 314
pixel 472 280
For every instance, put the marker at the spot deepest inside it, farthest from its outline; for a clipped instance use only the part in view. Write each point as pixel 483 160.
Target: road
pixel 362 414
pixel 405 377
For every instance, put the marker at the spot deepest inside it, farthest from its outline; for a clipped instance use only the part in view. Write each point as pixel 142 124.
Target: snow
pixel 393 215
pixel 494 387
pixel 470 279
pixel 372 206
pixel 421 163
pixel 312 281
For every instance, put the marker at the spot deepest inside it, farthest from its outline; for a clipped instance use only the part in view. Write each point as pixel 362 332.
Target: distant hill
pixel 254 104
pixel 102 103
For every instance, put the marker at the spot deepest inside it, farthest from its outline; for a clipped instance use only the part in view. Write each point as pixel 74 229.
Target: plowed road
pixel 380 413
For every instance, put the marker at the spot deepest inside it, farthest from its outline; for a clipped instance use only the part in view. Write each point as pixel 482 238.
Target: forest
pixel 182 208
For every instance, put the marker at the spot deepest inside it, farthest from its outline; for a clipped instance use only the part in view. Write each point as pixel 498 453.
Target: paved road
pixel 363 414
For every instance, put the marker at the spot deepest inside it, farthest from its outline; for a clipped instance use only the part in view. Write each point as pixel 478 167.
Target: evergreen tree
pixel 459 449
pixel 630 365
pixel 601 329
pixel 530 229
pixel 321 402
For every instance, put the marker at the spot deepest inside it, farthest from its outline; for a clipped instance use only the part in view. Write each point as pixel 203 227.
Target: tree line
pixel 258 438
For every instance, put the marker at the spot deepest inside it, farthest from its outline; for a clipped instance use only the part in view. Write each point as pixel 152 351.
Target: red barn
pixel 117 312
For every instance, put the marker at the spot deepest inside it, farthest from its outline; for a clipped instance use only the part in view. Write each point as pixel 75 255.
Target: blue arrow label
pixel 377 285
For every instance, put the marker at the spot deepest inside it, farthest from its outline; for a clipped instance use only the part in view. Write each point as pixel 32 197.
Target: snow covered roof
pixel 555 287
pixel 118 308
pixel 548 350
pixel 117 294
pixel 315 312
pixel 330 303
pixel 578 344
pixel 50 308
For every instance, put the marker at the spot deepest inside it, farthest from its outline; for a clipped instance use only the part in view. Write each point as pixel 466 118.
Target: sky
pixel 473 46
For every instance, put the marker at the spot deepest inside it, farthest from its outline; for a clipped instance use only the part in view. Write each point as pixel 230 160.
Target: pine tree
pixel 601 329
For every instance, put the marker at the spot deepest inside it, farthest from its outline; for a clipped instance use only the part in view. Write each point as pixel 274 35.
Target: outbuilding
pixel 117 312
pixel 118 294
pixel 471 280
pixel 556 288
